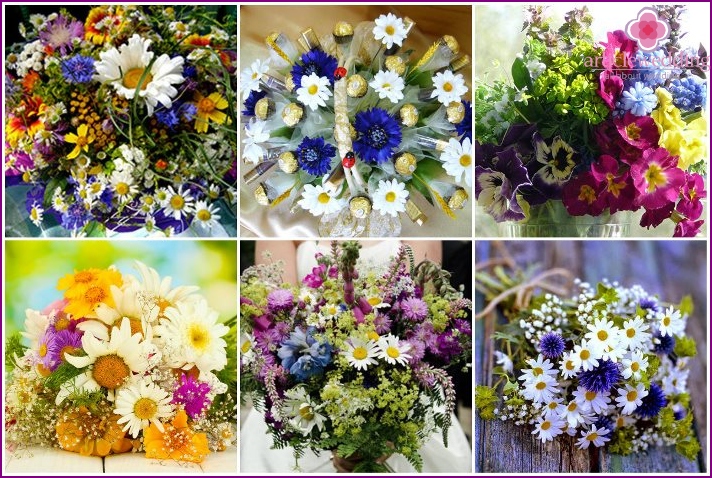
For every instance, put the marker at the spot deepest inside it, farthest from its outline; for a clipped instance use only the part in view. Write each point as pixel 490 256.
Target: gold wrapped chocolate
pixel 360 206
pixel 409 115
pixel 289 82
pixel 414 213
pixel 395 64
pixel 455 112
pixel 308 40
pixel 452 44
pixel 261 195
pixel 288 162
pixel 343 32
pixel 405 163
pixel 356 86
pixel 292 114
pixel 264 108
pixel 458 199
pixel 460 63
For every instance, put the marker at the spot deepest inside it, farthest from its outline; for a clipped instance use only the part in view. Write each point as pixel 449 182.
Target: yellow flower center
pixel 373 335
pixel 546 425
pixel 590 395
pixel 246 346
pixel 145 408
pixel 602 335
pixel 176 438
pixel 82 141
pixel 585 354
pixel 631 396
pixel 374 300
pixel 633 131
pixel 655 177
pixel 537 371
pixel 635 366
pixel 541 385
pixel 313 89
pixel 587 194
pixel 306 412
pixel 360 353
pixel 206 106
pixel 553 405
pixel 390 196
pixel 67 349
pixel 94 295
pixel 390 30
pixel 122 189
pixel 61 324
pixel 323 198
pixel 630 333
pixel 465 160
pixel 177 202
pixel 204 215
pixel 133 76
pixel 447 87
pixel 110 371
pixel 572 407
pixel 43 350
pixel 569 365
pixel 393 352
pixel 84 277
pixel 592 436
pixel 666 321
pixel 199 337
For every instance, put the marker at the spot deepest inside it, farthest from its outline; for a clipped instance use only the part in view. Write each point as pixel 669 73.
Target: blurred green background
pixel 32 269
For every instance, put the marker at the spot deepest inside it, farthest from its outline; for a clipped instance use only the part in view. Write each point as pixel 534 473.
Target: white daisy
pixel 574 415
pixel 126 67
pixel 634 334
pixel 548 427
pixel 36 324
pixel 303 412
pixel 623 421
pixel 504 361
pixel 603 335
pixel 179 204
pixel 247 352
pixel 389 29
pixel 633 364
pixel 586 355
pixel 675 381
pixel 59 201
pixel 569 368
pixel 250 77
pixel 110 363
pixel 553 408
pixel 541 389
pixel 156 292
pixel 392 350
pixel 360 353
pixel 630 397
pixel 255 134
pixel 671 322
pixel 539 366
pixel 594 435
pixel 388 85
pixel 123 185
pixel 140 404
pixel 314 91
pixel 127 304
pixel 36 214
pixel 448 87
pixel 318 200
pixel 457 160
pixel 390 197
pixel 206 214
pixel 597 402
pixel 375 300
pixel 192 336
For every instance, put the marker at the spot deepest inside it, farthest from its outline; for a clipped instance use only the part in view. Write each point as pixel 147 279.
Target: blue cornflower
pixel 552 345
pixel 76 216
pixel 379 134
pixel 190 71
pixel 688 93
pixel 188 111
pixel 653 402
pixel 314 155
pixel 303 355
pixel 664 344
pixel 649 303
pixel 251 101
pixel 168 117
pixel 78 69
pixel 602 378
pixel 639 100
pixel 464 127
pixel 314 61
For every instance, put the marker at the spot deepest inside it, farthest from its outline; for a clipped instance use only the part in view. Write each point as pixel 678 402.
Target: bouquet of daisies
pixel 607 366
pixel 352 129
pixel 353 361
pixel 123 364
pixel 120 121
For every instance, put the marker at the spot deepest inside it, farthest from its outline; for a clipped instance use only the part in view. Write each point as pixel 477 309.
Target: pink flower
pixel 618 190
pixel 638 131
pixel 687 228
pixel 610 88
pixel 693 191
pixel 619 51
pixel 315 279
pixel 655 217
pixel 582 195
pixel 657 178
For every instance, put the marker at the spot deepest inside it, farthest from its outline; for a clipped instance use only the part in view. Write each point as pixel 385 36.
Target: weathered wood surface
pixel 671 269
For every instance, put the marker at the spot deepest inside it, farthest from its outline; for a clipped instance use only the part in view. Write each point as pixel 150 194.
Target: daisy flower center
pixel 447 87
pixel 390 196
pixel 569 365
pixel 585 354
pixel 313 89
pixel 465 160
pixel 306 412
pixel 537 371
pixel 390 30
pixel 374 301
pixel 360 353
pixel 133 77
pixel 199 337
pixel 630 333
pixel 206 106
pixel 545 425
pixel 632 395
pixel 572 407
pixel 553 405
pixel 110 371
pixel 122 188
pixel 67 349
pixel 94 295
pixel 246 346
pixel 590 395
pixel 204 215
pixel 177 202
pixel 666 321
pixel 145 408
pixel 323 198
pixel 373 335
pixel 541 385
pixel 635 366
pixel 592 436
pixel 393 352
pixel 602 335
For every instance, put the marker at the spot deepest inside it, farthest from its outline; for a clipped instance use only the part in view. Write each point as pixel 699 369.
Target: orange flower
pixel 98 16
pixel 176 442
pixel 197 40
pixel 86 289
pixel 28 120
pixel 30 80
pixel 80 431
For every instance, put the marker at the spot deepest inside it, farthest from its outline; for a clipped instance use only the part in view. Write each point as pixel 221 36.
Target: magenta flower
pixel 583 195
pixel 657 178
pixel 414 309
pixel 316 278
pixel 638 131
pixel 619 51
pixel 655 217
pixel 610 88
pixel 618 190
pixel 693 191
pixel 193 395
pixel 687 228
pixel 280 299
pixel 648 29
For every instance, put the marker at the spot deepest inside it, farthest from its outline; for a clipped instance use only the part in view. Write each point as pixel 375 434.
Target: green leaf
pixel 485 401
pixel 520 75
pixel 688 448
pixel 685 347
pixel 686 305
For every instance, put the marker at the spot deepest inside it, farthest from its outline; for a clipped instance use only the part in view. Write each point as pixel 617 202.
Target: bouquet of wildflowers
pixel 351 128
pixel 589 129
pixel 123 364
pixel 353 361
pixel 121 121
pixel 607 366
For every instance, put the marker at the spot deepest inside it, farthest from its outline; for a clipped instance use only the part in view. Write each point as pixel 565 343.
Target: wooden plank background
pixel 671 269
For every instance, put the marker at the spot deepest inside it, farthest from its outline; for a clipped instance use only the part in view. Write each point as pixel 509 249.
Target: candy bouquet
pixel 585 132
pixel 122 121
pixel 123 364
pixel 353 128
pixel 353 360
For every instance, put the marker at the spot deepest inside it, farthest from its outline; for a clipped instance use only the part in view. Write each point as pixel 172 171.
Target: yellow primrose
pixel 666 115
pixel 689 143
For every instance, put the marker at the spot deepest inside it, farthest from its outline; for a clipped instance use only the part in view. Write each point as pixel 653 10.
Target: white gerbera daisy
pixel 180 203
pixel 388 85
pixel 360 353
pixel 457 160
pixel 390 197
pixel 630 397
pixel 314 91
pixel 318 200
pixel 126 67
pixel 448 87
pixel 548 427
pixel 36 214
pixel 111 363
pixel 250 77
pixel 303 412
pixel 123 185
pixel 140 404
pixel 671 322
pixel 255 134
pixel 389 29
pixel 392 350
pixel 206 214
pixel 192 337
pixel 597 436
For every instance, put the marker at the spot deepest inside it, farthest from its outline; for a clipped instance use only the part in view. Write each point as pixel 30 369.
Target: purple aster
pixel 251 101
pixel 653 402
pixel 552 345
pixel 280 299
pixel 379 135
pixel 314 155
pixel 463 326
pixel 424 333
pixel 193 395
pixel 382 323
pixel 47 351
pixel 59 34
pixel 67 341
pixel 447 346
pixel 417 350
pixel 78 69
pixel 414 309
pixel 17 162
pixel 314 61
pixel 602 378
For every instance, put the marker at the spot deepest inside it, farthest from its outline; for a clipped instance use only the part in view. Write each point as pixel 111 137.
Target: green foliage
pixel 681 431
pixel 687 306
pixel 485 401
pixel 63 373
pixel 13 348
pixel 622 441
pixel 685 347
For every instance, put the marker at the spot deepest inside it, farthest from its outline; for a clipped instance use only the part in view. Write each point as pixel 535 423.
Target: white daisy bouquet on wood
pixel 351 128
pixel 122 121
pixel 353 361
pixel 123 364
pixel 607 366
